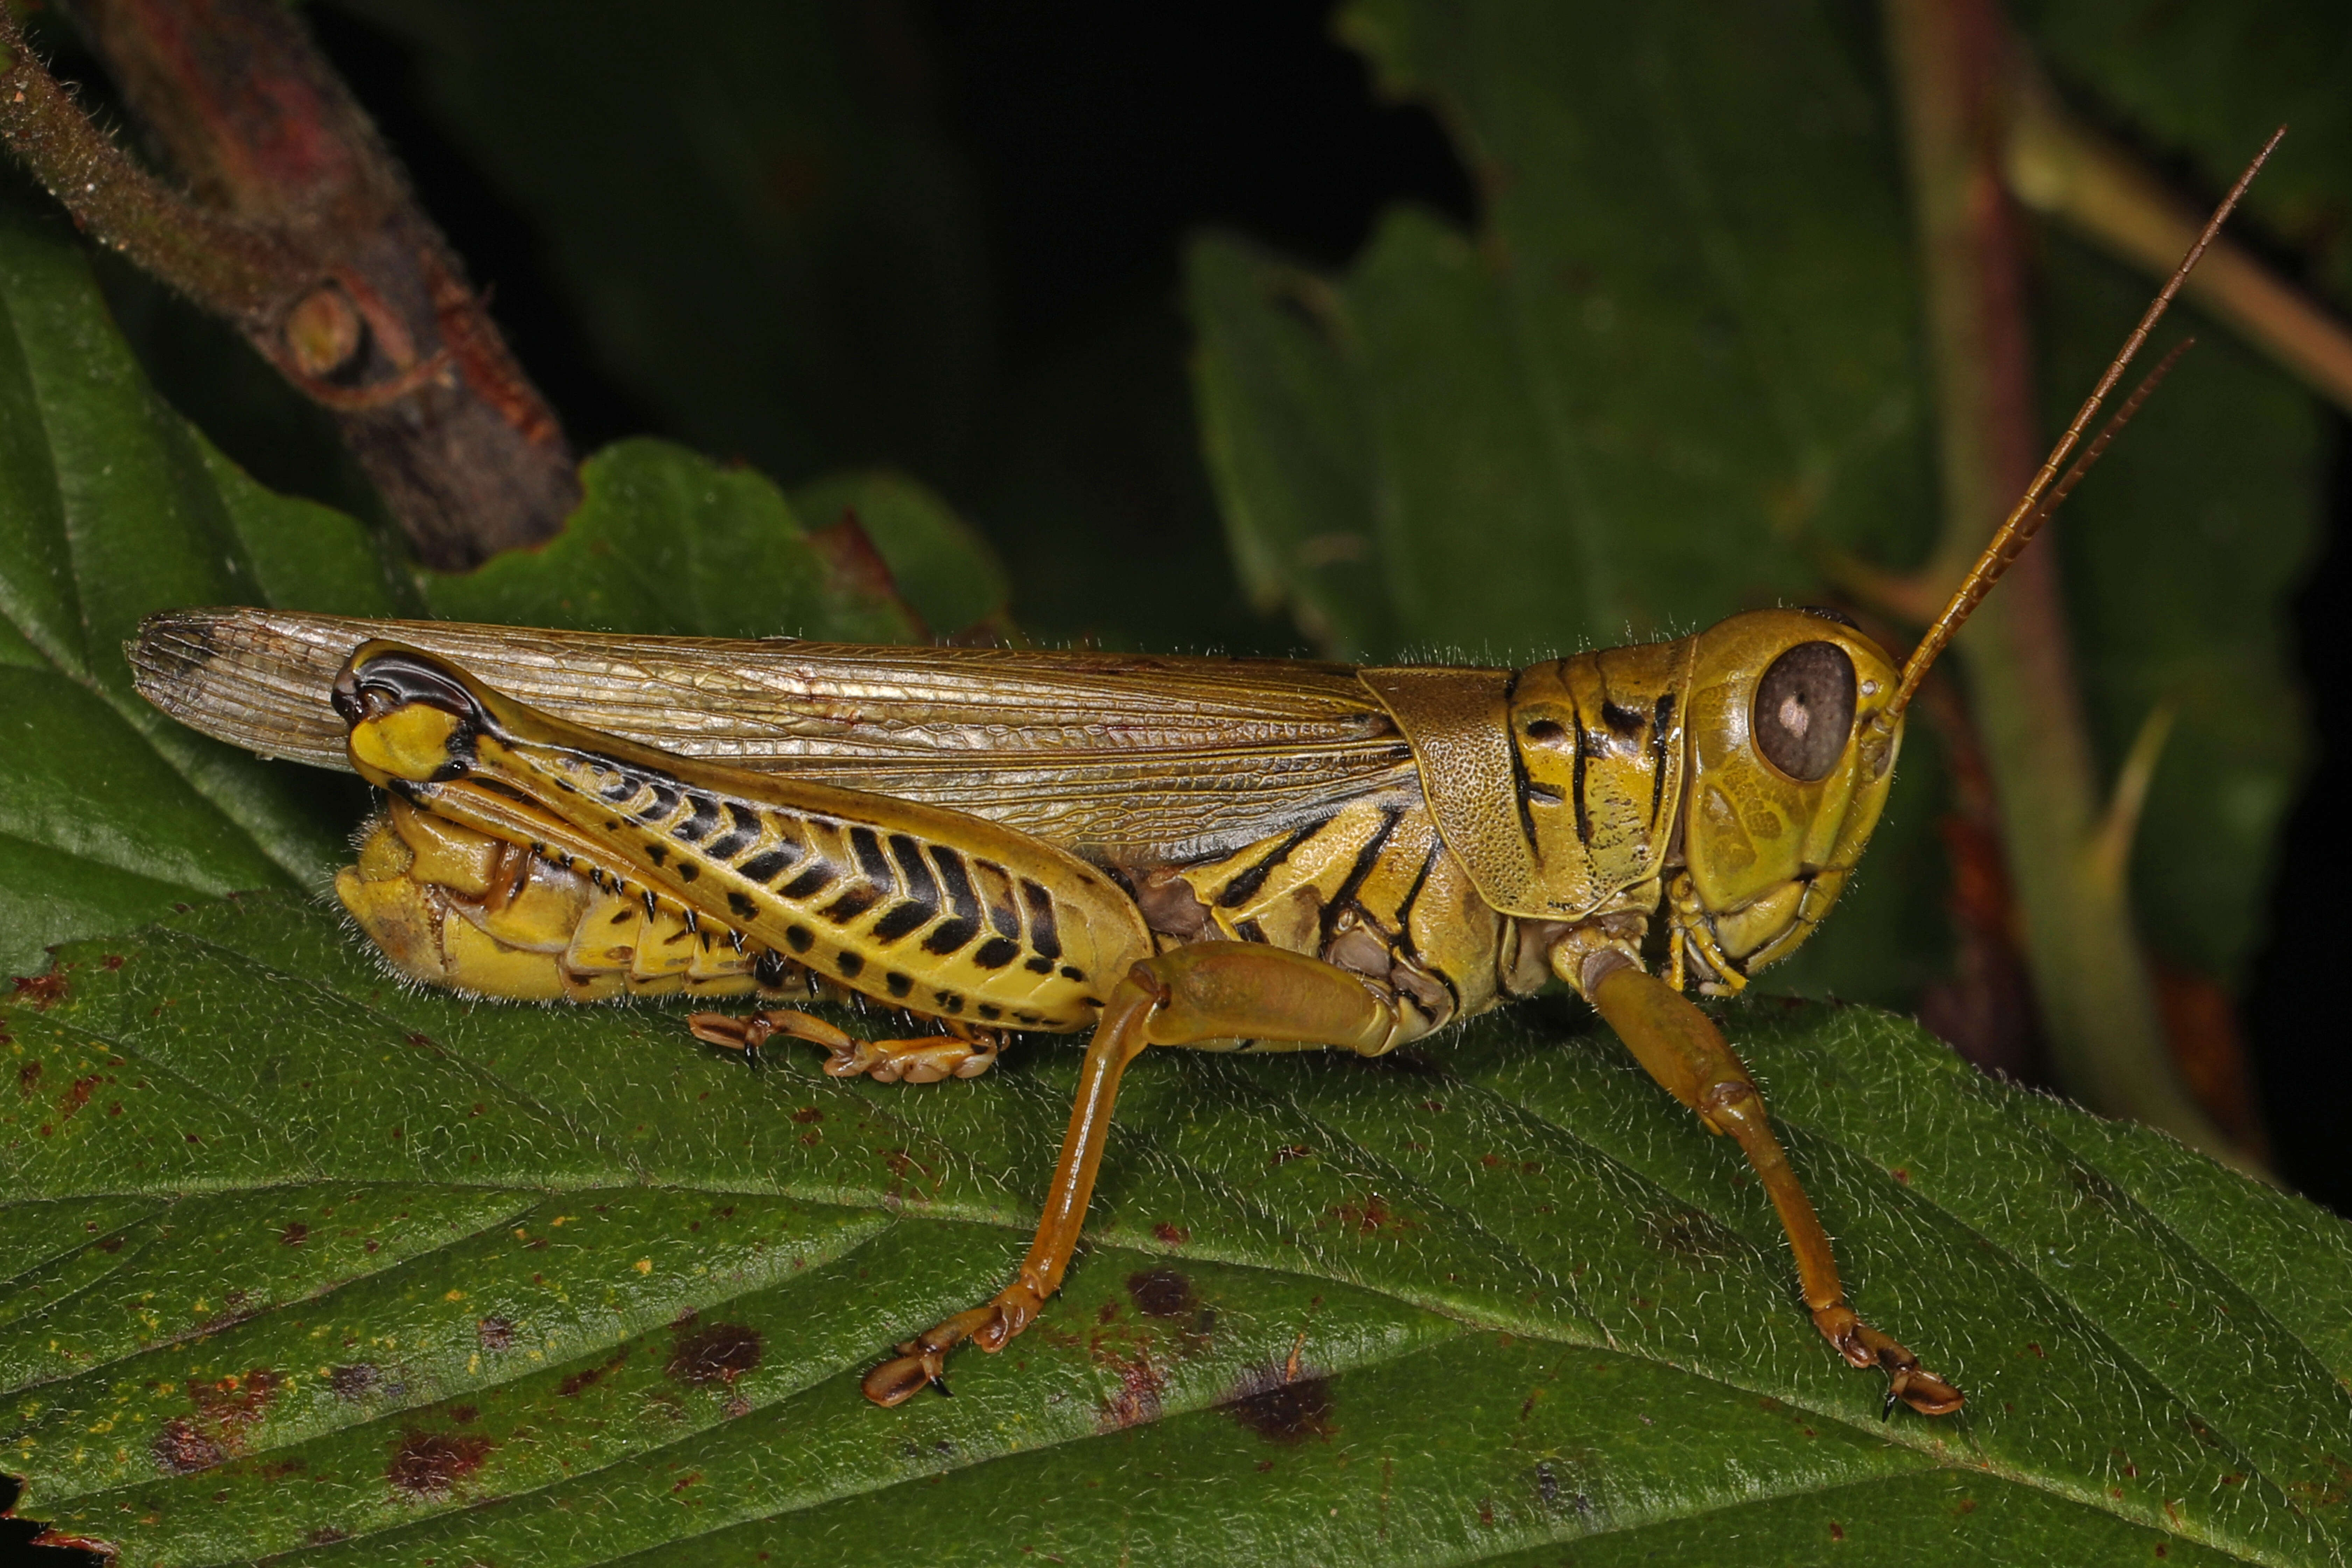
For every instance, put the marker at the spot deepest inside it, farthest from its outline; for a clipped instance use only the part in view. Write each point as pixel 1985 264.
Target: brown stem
pixel 303 233
pixel 2106 1035
pixel 2060 167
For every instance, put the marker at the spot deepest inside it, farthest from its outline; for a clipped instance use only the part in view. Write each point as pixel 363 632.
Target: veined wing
pixel 1128 756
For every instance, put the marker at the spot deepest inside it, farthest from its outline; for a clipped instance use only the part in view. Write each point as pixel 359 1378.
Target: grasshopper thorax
pixel 1793 736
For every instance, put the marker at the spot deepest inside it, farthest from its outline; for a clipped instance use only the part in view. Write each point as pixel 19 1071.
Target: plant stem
pixel 2059 167
pixel 2097 1002
pixel 304 235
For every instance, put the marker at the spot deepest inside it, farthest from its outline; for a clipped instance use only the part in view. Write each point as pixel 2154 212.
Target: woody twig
pixel 299 227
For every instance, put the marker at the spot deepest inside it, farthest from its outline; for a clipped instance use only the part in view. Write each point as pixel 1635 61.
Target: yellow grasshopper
pixel 1218 854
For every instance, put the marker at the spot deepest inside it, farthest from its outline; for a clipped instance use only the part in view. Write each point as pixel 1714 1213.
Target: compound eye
pixel 1804 710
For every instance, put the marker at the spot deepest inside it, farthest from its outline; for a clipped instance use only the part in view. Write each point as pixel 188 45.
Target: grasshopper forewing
pixel 1218 854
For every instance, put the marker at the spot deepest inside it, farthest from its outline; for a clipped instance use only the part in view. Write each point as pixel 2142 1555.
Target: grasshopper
pixel 1214 854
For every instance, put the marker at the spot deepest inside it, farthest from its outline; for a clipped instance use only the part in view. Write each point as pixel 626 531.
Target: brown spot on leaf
pixel 112 961
pixel 1837 1531
pixel 327 1535
pixel 43 991
pixel 353 1381
pixel 232 1402
pixel 295 1234
pixel 1284 1412
pixel 571 1388
pixel 1137 1398
pixel 109 1244
pixel 496 1334
pixel 1690 1236
pixel 719 1354
pixel 431 1464
pixel 1371 1216
pixel 1161 1293
pixel 28 1080
pixel 76 1095
pixel 1173 1234
pixel 806 1114
pixel 180 1449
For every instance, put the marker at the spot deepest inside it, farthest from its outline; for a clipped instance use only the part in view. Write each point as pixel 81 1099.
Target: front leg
pixel 1209 991
pixel 1682 1048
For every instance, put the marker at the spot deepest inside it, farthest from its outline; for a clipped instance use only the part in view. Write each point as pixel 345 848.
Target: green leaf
pixel 670 542
pixel 306 1261
pixel 1682 357
pixel 112 506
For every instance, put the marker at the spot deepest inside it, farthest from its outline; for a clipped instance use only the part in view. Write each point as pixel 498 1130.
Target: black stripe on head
pixel 1576 785
pixel 1522 787
pixel 1658 757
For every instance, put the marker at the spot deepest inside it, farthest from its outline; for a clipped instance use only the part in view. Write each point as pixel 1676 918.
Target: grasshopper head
pixel 1793 735
pixel 412 718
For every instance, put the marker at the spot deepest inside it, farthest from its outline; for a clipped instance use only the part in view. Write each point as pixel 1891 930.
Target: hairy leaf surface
pixel 304 1261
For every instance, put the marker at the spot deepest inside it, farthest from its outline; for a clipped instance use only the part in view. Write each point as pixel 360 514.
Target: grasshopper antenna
pixel 2044 495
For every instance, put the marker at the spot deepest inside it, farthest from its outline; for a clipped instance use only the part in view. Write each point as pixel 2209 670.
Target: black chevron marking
pixel 768 864
pixel 852 903
pixel 666 798
pixel 742 832
pixel 964 904
pixel 819 876
pixel 701 820
pixel 1003 917
pixel 1045 938
pixel 872 863
pixel 903 919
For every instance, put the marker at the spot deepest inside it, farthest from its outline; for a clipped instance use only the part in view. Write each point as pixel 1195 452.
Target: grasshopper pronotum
pixel 1162 851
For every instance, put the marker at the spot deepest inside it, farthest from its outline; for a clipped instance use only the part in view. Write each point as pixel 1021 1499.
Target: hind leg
pixel 1209 991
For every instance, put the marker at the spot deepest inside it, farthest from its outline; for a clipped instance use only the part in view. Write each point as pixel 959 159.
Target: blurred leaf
pixel 2211 83
pixel 944 569
pixel 2182 552
pixel 1682 354
pixel 441 1254
pixel 110 505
